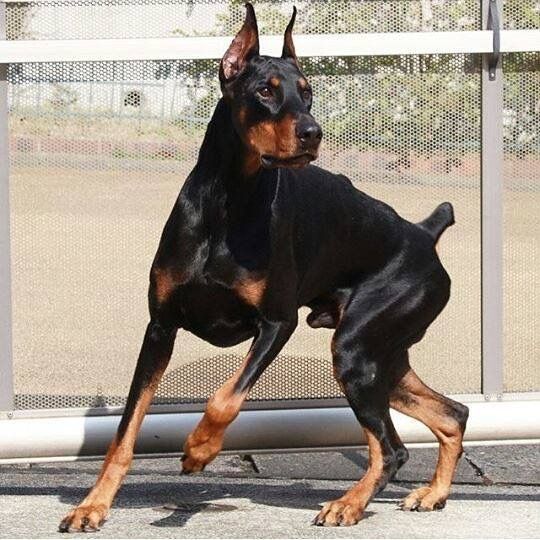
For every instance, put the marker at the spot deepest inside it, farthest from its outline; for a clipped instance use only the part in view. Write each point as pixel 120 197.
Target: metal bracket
pixel 493 23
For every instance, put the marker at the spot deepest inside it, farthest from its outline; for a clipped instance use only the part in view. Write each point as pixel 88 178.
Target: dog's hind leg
pixel 447 420
pixel 386 455
pixel 363 377
pixel 206 441
pixel 153 359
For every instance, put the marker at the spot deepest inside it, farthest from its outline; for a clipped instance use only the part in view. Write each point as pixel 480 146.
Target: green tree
pixel 404 104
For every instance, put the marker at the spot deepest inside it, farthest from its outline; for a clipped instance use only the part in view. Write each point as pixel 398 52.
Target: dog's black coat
pixel 255 234
pixel 315 239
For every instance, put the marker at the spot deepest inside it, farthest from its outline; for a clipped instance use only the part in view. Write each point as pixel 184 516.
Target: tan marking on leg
pixel 165 281
pixel 94 509
pixel 251 290
pixel 206 441
pixel 414 398
pixel 348 509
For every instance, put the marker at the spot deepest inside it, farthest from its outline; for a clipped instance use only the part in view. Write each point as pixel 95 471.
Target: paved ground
pixel 233 500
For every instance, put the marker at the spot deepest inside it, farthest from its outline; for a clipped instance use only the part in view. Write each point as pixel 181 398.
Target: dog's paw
pixel 191 465
pixel 424 499
pixel 198 452
pixel 339 513
pixel 84 518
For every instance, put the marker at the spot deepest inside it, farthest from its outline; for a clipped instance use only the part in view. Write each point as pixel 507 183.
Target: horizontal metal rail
pixel 198 48
pixel 520 40
pixel 41 439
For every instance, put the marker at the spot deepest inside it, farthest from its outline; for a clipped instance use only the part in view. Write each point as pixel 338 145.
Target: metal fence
pixel 102 108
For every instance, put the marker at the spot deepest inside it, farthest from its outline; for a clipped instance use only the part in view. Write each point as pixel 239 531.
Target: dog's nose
pixel 309 132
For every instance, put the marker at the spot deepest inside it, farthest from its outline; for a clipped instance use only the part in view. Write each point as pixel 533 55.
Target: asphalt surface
pixel 277 495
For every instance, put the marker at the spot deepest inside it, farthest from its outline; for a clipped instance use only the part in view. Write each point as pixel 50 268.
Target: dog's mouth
pixel 298 161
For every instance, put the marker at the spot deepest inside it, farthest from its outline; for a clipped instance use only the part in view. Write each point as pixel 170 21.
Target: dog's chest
pixel 215 296
pixel 237 267
pixel 217 313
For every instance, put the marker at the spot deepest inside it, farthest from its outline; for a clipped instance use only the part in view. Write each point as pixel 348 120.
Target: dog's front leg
pixel 205 442
pixel 153 359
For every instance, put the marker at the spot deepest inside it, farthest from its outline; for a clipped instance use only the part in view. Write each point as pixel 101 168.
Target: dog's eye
pixel 265 92
pixel 306 94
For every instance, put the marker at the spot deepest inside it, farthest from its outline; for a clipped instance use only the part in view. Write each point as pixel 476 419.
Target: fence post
pixel 6 350
pixel 492 210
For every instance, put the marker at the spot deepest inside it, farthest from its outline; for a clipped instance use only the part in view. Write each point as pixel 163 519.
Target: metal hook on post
pixel 493 24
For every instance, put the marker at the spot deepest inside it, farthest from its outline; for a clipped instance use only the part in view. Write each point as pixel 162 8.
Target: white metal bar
pixel 270 430
pixel 6 356
pixel 195 48
pixel 433 444
pixel 520 40
pixel 54 3
pixel 492 223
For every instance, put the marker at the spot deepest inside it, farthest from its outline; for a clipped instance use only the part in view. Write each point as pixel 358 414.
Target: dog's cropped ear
pixel 244 46
pixel 288 45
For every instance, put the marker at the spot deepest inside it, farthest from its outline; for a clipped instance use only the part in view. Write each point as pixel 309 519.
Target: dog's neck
pixel 222 151
pixel 220 172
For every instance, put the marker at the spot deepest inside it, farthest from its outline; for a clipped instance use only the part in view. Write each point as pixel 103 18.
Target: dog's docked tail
pixel 438 221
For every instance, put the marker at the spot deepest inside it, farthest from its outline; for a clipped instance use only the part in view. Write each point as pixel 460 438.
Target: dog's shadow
pixel 195 498
pixel 175 499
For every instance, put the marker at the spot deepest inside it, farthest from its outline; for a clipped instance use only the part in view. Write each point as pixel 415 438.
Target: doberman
pixel 256 233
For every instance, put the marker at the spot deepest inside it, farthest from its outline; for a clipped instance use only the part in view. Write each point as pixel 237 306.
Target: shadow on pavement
pixel 178 501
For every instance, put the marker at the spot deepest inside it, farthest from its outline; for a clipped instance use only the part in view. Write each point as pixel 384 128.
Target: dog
pixel 256 233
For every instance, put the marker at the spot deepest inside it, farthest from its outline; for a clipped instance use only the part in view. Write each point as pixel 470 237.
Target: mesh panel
pixel 100 150
pixel 521 221
pixel 166 18
pixel 521 14
pixel 287 378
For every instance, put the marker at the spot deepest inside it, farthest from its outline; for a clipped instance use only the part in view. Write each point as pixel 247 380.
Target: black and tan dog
pixel 256 233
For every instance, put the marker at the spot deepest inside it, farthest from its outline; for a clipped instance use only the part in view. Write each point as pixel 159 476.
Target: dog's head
pixel 270 100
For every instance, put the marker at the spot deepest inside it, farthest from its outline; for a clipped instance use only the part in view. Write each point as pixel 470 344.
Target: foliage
pixel 403 103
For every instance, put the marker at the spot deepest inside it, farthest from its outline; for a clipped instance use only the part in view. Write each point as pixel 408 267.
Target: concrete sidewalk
pixel 276 496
